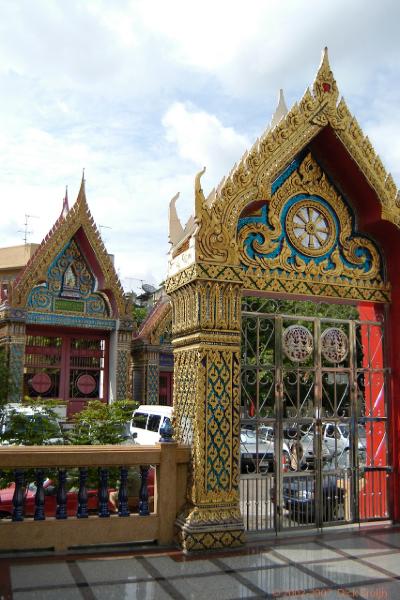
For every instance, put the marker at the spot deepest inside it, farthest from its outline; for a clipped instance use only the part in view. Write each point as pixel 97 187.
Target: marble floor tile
pixel 345 572
pixel 40 575
pixel 387 538
pixel 320 594
pixel 54 594
pixel 356 545
pixel 283 579
pixel 220 587
pixel 170 567
pixel 306 552
pixel 116 569
pixel 249 561
pixel 387 590
pixel 150 590
pixel 390 562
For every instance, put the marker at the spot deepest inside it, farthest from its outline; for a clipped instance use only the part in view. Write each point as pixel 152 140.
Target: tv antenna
pixel 101 227
pixel 25 231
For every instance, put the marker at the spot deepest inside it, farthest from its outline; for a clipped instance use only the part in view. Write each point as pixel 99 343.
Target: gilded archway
pixel 278 224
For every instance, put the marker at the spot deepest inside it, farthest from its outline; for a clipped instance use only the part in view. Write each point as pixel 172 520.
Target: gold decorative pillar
pixel 152 377
pixel 12 339
pixel 206 341
pixel 123 363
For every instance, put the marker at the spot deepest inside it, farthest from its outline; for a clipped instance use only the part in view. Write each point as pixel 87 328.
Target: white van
pixel 147 421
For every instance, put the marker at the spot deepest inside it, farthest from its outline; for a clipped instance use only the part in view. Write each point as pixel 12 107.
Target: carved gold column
pixel 12 339
pixel 206 340
pixel 123 361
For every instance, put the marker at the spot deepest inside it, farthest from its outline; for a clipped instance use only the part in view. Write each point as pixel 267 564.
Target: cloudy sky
pixel 142 94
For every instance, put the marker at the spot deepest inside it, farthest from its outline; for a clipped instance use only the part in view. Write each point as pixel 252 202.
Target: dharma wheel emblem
pixel 310 228
pixel 297 343
pixel 334 345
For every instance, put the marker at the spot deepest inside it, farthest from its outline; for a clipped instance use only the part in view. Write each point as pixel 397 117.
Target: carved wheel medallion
pixel 297 343
pixel 334 345
pixel 310 228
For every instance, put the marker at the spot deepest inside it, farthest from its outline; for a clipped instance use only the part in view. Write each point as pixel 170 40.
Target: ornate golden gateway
pixel 215 238
pixel 275 224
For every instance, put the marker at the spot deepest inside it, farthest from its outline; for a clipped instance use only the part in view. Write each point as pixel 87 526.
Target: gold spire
pixel 81 199
pixel 325 87
pixel 280 111
pixel 65 206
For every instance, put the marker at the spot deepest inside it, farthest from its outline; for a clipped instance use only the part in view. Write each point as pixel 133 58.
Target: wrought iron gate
pixel 314 422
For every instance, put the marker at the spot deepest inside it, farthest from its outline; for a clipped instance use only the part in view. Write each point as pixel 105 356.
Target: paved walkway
pixel 361 563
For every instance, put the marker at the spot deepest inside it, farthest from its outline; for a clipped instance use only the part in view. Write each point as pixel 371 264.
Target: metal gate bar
pixel 311 443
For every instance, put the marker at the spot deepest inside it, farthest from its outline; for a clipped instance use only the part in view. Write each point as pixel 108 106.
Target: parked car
pixel 7 493
pixel 336 436
pixel 147 422
pixel 299 498
pixel 50 491
pixel 257 450
pixel 305 437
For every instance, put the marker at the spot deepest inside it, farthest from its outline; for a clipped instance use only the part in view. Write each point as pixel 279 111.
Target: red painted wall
pixel 348 178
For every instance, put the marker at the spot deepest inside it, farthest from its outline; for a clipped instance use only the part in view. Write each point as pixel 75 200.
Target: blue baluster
pixel 82 512
pixel 123 509
pixel 39 497
pixel 167 431
pixel 144 493
pixel 61 511
pixel 19 496
pixel 103 493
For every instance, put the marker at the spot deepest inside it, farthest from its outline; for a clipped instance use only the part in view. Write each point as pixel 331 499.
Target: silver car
pixel 257 450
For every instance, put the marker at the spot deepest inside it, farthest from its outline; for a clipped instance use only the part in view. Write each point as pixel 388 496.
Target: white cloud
pixel 202 139
pixel 144 93
pixel 264 45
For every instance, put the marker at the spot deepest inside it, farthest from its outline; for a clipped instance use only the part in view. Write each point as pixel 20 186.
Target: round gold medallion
pixel 310 228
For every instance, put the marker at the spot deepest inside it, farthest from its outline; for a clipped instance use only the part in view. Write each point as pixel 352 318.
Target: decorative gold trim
pixel 287 283
pixel 349 256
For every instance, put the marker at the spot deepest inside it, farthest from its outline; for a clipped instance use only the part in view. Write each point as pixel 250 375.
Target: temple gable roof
pixel 159 319
pixel 212 236
pixel 75 222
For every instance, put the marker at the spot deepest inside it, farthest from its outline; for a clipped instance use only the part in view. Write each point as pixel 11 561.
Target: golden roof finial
pixel 280 111
pixel 199 199
pixel 65 206
pixel 325 87
pixel 82 192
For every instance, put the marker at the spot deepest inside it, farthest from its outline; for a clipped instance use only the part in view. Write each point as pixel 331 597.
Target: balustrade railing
pixel 39 509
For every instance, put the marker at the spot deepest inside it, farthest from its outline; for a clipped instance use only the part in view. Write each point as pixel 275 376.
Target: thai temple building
pixel 152 358
pixel 278 336
pixel 65 322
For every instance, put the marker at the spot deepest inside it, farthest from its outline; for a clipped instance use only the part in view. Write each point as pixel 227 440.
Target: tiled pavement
pixel 343 564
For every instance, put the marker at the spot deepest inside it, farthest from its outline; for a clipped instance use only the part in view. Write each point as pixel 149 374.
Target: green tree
pixel 100 423
pixel 139 314
pixel 33 423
